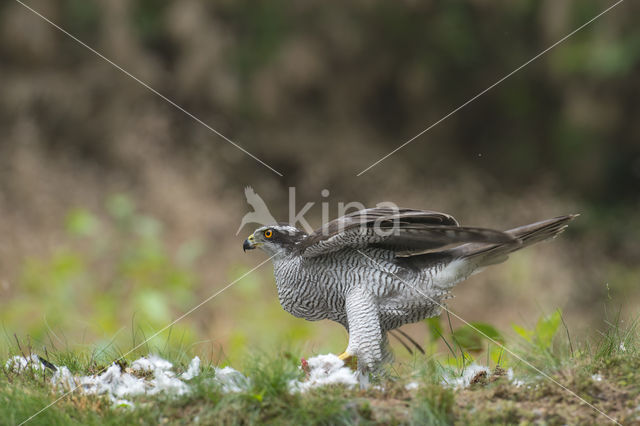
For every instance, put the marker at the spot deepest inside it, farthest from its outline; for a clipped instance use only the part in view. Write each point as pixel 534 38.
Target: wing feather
pixel 406 232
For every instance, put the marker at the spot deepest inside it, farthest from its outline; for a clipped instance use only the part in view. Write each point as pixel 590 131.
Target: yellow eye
pixel 268 233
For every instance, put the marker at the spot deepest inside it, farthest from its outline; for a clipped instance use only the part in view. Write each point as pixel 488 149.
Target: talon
pixel 349 360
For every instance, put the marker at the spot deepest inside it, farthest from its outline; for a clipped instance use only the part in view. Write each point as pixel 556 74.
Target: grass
pixel 604 371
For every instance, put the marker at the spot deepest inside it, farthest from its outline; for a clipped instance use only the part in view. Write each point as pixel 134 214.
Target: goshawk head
pixel 274 239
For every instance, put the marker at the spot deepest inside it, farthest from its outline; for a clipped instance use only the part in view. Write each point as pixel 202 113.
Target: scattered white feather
pixel 511 377
pixel 167 382
pixel 596 377
pixel 151 363
pixel 18 364
pixel 469 373
pixel 231 380
pixel 63 378
pixel 159 377
pixel 116 384
pixel 325 370
pixel 193 370
pixel 622 347
pixel 112 382
pixel 412 386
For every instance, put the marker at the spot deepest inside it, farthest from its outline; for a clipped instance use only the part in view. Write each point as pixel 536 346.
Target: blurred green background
pixel 118 212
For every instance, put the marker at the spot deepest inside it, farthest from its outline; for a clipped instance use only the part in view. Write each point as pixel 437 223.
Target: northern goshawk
pixel 377 269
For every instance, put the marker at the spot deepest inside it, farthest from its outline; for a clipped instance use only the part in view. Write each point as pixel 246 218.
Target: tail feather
pixel 483 254
pixel 541 231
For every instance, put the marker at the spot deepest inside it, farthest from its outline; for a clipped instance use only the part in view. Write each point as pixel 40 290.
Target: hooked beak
pixel 249 243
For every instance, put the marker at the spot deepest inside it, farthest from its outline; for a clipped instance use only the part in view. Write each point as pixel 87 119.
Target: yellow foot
pixel 349 360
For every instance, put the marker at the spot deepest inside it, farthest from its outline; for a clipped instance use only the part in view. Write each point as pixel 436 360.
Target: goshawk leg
pixel 366 339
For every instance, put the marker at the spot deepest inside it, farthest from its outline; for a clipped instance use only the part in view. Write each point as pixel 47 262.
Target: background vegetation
pixel 119 212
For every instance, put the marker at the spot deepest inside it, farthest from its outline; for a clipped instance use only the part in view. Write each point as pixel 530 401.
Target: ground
pixel 605 373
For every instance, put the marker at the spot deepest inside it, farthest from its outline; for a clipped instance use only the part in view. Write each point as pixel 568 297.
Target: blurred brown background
pixel 119 212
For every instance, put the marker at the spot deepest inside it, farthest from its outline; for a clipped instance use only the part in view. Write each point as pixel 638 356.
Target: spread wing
pixel 406 232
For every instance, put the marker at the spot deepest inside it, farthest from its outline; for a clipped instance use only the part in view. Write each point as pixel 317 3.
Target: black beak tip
pixel 247 246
